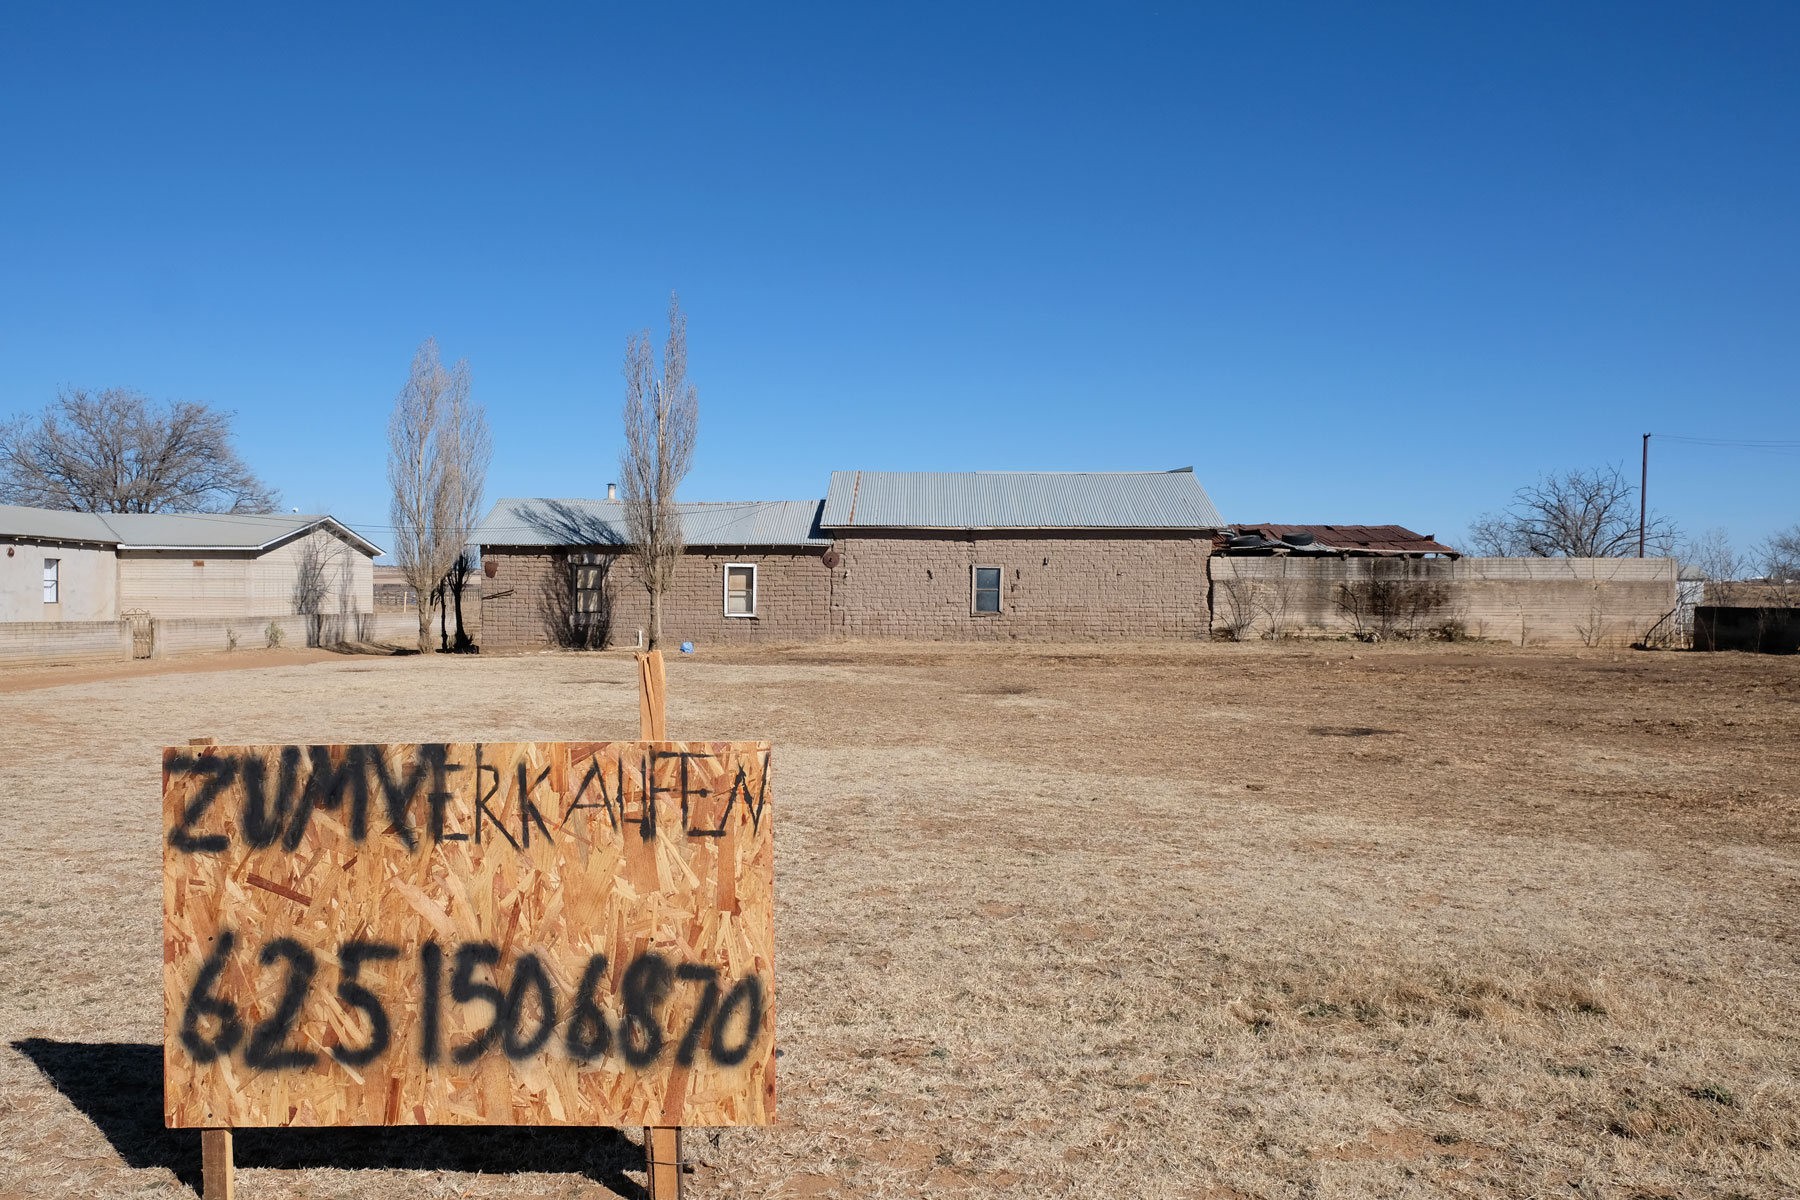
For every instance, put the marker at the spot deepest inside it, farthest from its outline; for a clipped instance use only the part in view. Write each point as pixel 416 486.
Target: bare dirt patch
pixel 31 679
pixel 1062 920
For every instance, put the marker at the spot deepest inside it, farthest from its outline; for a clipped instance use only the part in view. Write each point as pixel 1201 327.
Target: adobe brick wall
pixel 526 603
pixel 916 585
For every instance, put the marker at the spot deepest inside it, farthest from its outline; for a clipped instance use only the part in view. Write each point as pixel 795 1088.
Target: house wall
pixel 87 578
pixel 528 602
pixel 1527 601
pixel 916 585
pixel 168 583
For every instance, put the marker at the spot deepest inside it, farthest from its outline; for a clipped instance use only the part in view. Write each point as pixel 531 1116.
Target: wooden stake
pixel 662 1152
pixel 651 725
pixel 218 1174
pixel 662 1143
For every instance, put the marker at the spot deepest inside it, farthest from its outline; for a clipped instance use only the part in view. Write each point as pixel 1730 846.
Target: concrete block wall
pixel 917 585
pixel 1526 601
pixel 202 635
pixel 53 643
pixel 528 601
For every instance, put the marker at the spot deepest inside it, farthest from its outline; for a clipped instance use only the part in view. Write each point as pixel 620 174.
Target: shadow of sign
pixel 118 1086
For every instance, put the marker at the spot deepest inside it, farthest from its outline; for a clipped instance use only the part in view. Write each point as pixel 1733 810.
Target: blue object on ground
pixel 687 647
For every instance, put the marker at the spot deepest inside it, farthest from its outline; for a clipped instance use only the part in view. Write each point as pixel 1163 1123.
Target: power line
pixel 1765 446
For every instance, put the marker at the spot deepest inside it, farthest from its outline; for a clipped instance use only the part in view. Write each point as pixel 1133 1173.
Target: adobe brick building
pixel 916 555
pixel 557 574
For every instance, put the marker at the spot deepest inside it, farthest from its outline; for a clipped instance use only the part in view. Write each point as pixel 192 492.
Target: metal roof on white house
pixel 528 522
pixel 171 531
pixel 1018 500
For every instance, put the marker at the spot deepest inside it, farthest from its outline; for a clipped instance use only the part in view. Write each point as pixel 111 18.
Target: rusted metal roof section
pixel 1347 539
pixel 540 522
pixel 1018 500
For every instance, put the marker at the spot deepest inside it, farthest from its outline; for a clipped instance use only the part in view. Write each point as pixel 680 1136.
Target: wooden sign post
pixel 520 933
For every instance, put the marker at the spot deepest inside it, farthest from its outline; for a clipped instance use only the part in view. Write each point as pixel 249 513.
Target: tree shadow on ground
pixel 118 1086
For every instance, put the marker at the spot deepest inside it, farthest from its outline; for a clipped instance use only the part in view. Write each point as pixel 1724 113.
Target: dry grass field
pixel 1166 921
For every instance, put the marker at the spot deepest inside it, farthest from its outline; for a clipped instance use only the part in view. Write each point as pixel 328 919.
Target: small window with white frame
pixel 984 585
pixel 740 589
pixel 53 581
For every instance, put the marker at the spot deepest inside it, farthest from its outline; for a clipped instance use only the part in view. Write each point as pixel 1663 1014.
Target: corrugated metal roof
pixel 1357 539
pixel 1018 500
pixel 54 525
pixel 528 522
pixel 174 531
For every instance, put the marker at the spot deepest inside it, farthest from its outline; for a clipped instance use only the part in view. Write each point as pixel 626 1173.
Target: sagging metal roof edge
pixel 1195 530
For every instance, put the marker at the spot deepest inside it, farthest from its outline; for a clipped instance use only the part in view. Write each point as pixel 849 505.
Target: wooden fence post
pixel 218 1174
pixel 662 1143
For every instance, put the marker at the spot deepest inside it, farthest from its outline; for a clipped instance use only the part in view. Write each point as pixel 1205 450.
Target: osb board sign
pixel 533 933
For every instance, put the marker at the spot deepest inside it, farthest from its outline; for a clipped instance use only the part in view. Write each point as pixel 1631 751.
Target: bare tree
pixel 1713 555
pixel 1780 561
pixel 456 583
pixel 117 450
pixel 662 421
pixel 469 449
pixel 1571 514
pixel 438 453
pixel 1780 554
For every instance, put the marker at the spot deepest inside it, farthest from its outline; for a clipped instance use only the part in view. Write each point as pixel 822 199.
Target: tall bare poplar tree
pixel 438 453
pixel 662 419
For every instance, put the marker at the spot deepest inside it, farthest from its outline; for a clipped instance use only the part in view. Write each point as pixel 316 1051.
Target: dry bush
pixel 1386 604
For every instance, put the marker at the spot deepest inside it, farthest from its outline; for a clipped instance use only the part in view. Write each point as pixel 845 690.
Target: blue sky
pixel 1356 264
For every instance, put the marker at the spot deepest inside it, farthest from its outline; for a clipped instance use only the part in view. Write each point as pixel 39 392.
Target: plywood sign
pixel 521 933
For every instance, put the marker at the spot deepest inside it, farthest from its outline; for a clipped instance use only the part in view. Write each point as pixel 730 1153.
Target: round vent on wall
pixel 491 567
pixel 831 560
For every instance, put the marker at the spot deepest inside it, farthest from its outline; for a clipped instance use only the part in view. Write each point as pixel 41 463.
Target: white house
pixel 83 567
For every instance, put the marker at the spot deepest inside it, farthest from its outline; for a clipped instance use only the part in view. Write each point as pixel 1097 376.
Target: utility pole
pixel 1643 495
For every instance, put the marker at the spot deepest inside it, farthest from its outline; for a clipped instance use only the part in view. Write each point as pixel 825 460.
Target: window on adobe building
pixel 740 590
pixel 985 586
pixel 53 581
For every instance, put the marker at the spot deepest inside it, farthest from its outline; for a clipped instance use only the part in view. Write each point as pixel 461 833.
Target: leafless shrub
pixel 1275 598
pixel 1572 514
pixel 1234 600
pixel 438 453
pixel 116 450
pixel 662 419
pixel 1386 604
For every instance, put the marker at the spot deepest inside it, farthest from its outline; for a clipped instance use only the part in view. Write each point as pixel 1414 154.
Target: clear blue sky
pixel 1355 263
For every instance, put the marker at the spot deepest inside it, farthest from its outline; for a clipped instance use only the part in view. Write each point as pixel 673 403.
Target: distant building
pixel 67 566
pixel 918 555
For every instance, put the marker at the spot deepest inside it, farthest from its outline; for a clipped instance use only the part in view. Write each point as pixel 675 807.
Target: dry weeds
pixel 1207 921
